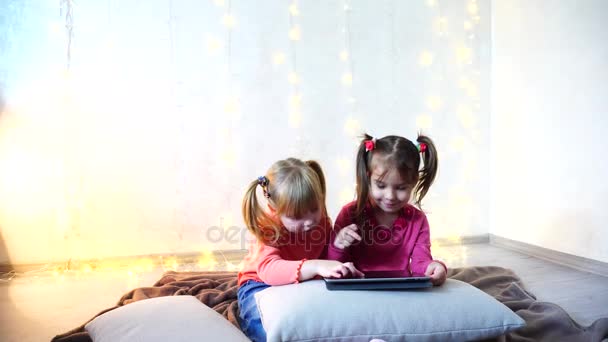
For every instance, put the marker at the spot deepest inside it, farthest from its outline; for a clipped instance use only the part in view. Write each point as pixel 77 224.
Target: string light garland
pixel 74 191
pixel 295 99
pixel 430 58
pixel 352 127
pixel 180 212
pixel 67 11
pixel 391 15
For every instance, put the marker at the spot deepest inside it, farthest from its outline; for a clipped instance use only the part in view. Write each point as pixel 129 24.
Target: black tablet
pixel 379 280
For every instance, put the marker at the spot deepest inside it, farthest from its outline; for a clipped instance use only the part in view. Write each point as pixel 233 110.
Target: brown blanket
pixel 544 321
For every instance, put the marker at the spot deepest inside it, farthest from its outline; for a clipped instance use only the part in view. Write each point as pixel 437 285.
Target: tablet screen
pixel 381 276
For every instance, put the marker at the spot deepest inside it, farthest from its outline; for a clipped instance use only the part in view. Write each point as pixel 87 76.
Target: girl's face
pixel 302 224
pixel 388 190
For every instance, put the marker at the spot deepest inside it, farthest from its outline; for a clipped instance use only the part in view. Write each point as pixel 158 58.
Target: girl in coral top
pixel 292 233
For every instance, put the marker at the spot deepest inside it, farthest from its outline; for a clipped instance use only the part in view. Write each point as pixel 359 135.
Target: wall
pixel 549 123
pixel 137 130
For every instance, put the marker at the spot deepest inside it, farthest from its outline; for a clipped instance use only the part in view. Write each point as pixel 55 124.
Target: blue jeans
pixel 249 316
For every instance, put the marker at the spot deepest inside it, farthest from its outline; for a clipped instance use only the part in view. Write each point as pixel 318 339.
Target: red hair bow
pixel 370 145
pixel 422 147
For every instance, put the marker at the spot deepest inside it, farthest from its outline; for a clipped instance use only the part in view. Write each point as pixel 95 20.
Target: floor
pixel 40 305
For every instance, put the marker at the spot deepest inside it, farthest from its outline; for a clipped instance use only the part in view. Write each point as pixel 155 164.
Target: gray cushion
pixel 172 318
pixel 455 311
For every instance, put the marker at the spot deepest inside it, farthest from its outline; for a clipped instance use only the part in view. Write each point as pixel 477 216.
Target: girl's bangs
pixel 299 199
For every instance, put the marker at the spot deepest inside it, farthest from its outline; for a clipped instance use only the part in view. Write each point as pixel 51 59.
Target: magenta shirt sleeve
pixel 334 253
pixel 421 254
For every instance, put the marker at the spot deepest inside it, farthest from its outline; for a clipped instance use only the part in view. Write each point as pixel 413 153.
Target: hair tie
pixel 421 147
pixel 370 144
pixel 263 182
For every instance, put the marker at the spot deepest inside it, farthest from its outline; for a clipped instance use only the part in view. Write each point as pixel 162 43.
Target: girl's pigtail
pixel 429 170
pixel 317 168
pixel 256 219
pixel 362 175
pixel 251 209
pixel 319 171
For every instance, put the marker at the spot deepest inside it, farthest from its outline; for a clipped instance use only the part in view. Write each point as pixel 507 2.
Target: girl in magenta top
pixel 381 230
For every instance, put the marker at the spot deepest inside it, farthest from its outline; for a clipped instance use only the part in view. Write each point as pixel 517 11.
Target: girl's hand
pixel 437 273
pixel 346 236
pixel 336 269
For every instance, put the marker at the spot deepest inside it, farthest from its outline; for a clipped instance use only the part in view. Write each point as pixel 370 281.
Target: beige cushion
pixel 172 318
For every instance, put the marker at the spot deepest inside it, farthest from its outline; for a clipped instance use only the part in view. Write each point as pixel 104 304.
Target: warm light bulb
pixel 232 107
pixel 431 3
pixel 229 21
pixel 472 8
pixel 434 102
pixel 344 55
pixel 347 79
pixel 295 100
pixel 425 58
pixel 472 91
pixel 293 10
pixel 294 34
pixel 467 25
pixel 352 126
pixel 463 54
pixel 441 25
pixel 278 58
pixel 458 143
pixel 207 260
pixel 347 195
pixel 219 2
pixel 213 45
pixel 228 157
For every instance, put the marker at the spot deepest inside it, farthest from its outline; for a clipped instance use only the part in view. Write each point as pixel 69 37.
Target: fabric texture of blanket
pixel 544 321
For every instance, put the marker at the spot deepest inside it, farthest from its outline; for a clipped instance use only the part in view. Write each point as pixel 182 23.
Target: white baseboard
pixel 569 260
pixel 462 240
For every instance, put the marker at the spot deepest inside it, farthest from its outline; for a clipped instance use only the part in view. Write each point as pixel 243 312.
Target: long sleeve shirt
pixel 406 246
pixel 281 264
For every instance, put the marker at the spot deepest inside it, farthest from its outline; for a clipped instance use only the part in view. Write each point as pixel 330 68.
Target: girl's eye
pixel 380 186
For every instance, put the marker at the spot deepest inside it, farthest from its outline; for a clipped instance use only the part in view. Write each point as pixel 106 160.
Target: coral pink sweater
pixel 280 265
